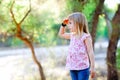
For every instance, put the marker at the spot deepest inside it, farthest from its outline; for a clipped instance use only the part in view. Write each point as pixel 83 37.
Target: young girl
pixel 80 58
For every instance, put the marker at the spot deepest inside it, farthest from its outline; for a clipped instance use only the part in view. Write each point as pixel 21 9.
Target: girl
pixel 80 58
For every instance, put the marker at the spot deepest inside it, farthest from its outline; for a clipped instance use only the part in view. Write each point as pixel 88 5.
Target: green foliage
pixel 118 58
pixel 43 22
pixel 89 9
pixel 74 5
pixel 6 42
pixel 16 42
pixel 102 30
pixel 41 25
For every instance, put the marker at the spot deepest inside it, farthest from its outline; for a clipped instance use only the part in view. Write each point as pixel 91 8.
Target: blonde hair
pixel 80 22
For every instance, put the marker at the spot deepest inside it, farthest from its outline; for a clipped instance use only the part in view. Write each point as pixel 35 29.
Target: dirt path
pixel 17 64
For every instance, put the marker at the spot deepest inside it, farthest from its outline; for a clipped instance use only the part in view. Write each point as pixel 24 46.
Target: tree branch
pixel 19 35
pixel 13 17
pixel 26 13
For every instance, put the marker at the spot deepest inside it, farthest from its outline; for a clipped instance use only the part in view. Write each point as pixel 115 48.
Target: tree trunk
pixel 111 53
pixel 29 44
pixel 95 19
pixel 27 41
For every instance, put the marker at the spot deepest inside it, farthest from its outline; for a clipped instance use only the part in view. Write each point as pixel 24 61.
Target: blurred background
pixel 40 29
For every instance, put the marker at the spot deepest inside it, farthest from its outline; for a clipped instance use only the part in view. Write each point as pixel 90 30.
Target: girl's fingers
pixel 92 74
pixel 65 21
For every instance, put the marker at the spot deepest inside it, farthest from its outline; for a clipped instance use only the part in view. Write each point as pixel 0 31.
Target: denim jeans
pixel 80 74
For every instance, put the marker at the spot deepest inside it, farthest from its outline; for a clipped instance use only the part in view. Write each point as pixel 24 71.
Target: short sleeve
pixel 71 35
pixel 85 36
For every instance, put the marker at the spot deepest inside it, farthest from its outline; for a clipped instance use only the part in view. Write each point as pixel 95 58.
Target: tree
pixel 75 5
pixel 95 19
pixel 19 34
pixel 111 51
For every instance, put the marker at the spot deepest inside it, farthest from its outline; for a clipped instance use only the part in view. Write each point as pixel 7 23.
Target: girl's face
pixel 71 26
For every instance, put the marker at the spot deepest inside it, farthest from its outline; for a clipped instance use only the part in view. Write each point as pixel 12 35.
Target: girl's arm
pixel 63 34
pixel 88 42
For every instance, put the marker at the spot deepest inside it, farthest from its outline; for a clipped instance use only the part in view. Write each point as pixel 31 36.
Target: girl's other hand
pixel 92 73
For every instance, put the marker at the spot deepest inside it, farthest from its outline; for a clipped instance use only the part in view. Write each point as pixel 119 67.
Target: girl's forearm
pixel 61 31
pixel 92 61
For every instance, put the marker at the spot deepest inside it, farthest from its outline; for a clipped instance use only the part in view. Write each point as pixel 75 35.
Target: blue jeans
pixel 80 74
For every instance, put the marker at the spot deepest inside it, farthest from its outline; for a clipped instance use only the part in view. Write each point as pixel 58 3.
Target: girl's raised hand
pixel 65 22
